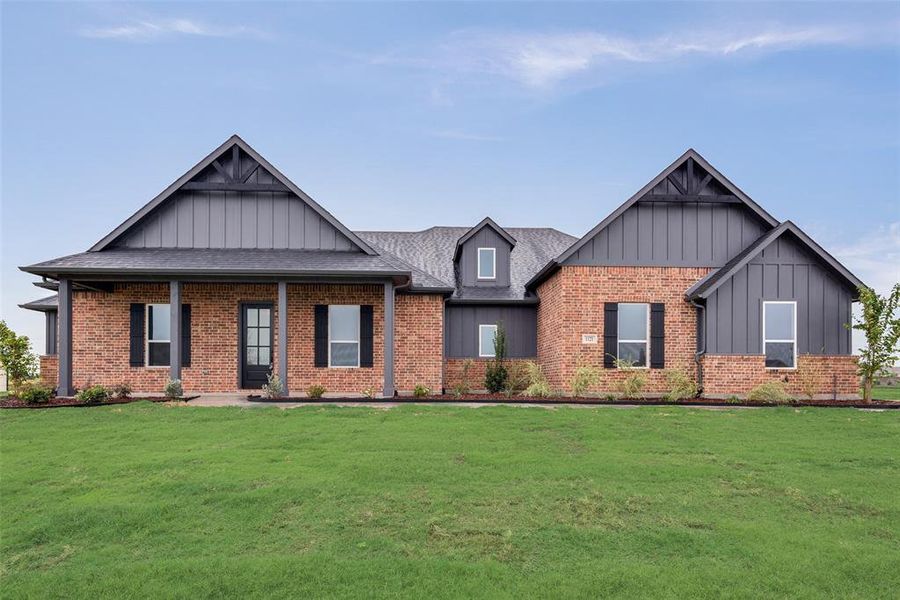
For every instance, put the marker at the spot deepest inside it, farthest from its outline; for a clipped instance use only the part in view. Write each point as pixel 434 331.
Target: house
pixel 233 272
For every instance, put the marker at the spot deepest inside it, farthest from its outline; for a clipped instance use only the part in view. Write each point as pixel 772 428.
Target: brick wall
pixel 453 371
pixel 418 341
pixel 724 375
pixel 572 304
pixel 49 369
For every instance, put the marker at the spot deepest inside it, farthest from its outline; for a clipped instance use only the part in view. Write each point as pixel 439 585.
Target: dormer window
pixel 487 263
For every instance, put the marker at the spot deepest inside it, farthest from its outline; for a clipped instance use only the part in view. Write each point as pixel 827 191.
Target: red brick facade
pixel 725 375
pixel 418 341
pixel 49 369
pixel 572 304
pixel 453 371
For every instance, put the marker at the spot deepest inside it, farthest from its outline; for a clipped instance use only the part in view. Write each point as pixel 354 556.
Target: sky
pixel 402 116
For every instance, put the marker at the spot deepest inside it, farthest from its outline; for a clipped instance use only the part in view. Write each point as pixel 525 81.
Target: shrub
pixel 421 391
pixel 516 380
pixel 809 381
pixel 732 399
pixel 464 386
pixel 315 391
pixel 634 381
pixel 538 386
pixel 34 392
pixel 273 387
pixel 460 389
pixel 121 391
pixel 770 391
pixel 369 393
pixel 495 377
pixel 96 394
pixel 681 385
pixel 173 389
pixel 585 377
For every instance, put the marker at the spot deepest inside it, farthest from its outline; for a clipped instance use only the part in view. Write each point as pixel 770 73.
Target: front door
pixel 256 344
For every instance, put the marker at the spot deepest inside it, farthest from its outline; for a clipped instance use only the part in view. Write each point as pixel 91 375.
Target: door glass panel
pixel 264 335
pixel 264 356
pixel 252 336
pixel 252 317
pixel 252 355
pixel 264 317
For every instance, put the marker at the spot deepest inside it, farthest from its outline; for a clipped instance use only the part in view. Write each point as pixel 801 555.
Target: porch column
pixel 64 351
pixel 175 330
pixel 283 335
pixel 389 339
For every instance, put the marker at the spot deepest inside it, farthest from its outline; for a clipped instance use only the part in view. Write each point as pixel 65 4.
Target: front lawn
pixel 148 500
pixel 886 392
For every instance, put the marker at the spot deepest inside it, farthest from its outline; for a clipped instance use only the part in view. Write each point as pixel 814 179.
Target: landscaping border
pixel 12 403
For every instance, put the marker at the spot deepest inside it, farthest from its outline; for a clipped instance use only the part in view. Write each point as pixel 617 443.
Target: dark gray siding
pixel 783 271
pixel 468 260
pixel 51 332
pixel 227 219
pixel 673 234
pixel 461 329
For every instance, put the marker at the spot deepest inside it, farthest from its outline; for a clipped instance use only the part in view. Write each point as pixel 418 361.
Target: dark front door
pixel 256 344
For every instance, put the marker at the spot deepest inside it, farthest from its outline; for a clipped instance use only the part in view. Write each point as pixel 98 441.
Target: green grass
pixel 886 393
pixel 157 501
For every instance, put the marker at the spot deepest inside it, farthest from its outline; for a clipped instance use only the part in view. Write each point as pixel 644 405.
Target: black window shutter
pixel 657 336
pixel 136 354
pixel 610 334
pixel 321 335
pixel 185 335
pixel 366 336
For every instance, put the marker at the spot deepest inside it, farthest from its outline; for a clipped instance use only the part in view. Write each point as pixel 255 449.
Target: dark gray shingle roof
pixel 43 304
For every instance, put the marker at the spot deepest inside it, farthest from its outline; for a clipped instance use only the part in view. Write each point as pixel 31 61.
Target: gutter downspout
pixel 701 328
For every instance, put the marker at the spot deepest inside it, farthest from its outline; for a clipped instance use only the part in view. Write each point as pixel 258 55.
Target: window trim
pixel 481 353
pixel 357 341
pixel 784 341
pixel 493 264
pixel 645 341
pixel 147 311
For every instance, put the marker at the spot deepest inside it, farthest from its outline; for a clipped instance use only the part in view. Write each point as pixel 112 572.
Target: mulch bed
pixel 502 399
pixel 12 402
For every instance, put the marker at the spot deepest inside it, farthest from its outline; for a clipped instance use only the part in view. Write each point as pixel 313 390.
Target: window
pixel 780 334
pixel 343 336
pixel 487 263
pixel 633 322
pixel 486 335
pixel 158 335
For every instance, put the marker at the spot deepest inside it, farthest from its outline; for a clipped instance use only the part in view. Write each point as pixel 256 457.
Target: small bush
pixel 96 394
pixel 34 392
pixel 121 391
pixel 732 399
pixel 681 385
pixel 809 381
pixel 585 378
pixel 460 389
pixel 516 380
pixel 315 391
pixel 538 386
pixel 369 393
pixel 495 377
pixel 173 389
pixel 770 391
pixel 273 387
pixel 421 391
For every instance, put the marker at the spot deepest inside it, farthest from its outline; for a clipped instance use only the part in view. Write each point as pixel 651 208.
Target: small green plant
pixel 634 381
pixel 463 386
pixel 173 389
pixel 120 391
pixel 681 385
pixel 369 392
pixel 809 381
pixel 585 378
pixel 516 380
pixel 95 394
pixel 420 391
pixel 732 399
pixel 495 375
pixel 770 391
pixel 315 391
pixel 273 387
pixel 538 386
pixel 459 390
pixel 34 392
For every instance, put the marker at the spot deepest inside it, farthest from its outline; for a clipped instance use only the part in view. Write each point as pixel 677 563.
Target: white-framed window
pixel 780 334
pixel 634 333
pixel 486 334
pixel 343 335
pixel 487 263
pixel 159 329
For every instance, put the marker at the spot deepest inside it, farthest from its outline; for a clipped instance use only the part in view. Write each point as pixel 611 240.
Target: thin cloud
pixel 875 258
pixel 450 134
pixel 144 30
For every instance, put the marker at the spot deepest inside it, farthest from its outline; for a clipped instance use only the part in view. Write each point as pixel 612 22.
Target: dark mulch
pixel 652 401
pixel 13 402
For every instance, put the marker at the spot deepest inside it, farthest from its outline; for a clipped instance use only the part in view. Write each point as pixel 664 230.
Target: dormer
pixel 482 255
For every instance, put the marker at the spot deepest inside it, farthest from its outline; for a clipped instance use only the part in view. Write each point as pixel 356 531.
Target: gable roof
pixel 234 140
pixel 690 154
pixel 486 222
pixel 47 304
pixel 706 286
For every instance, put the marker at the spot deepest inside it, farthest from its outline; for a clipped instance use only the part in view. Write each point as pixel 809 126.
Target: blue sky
pixel 401 116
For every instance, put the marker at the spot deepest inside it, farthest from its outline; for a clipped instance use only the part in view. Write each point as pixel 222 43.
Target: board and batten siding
pixel 673 234
pixel 468 260
pixel 232 219
pixel 783 271
pixel 461 323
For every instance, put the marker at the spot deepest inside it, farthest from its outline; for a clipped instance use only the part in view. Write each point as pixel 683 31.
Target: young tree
pixel 495 375
pixel 880 323
pixel 16 357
